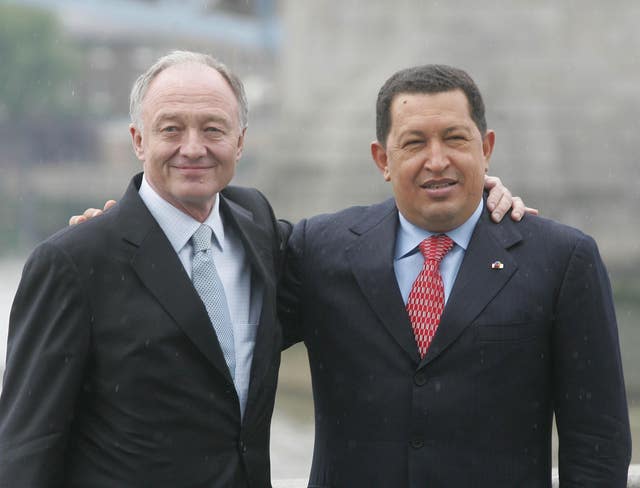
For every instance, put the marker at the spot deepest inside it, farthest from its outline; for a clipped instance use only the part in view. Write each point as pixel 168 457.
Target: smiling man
pixel 435 157
pixel 143 346
pixel 441 345
pixel 194 135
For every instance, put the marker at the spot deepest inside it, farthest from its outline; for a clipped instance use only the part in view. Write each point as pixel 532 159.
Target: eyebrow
pixel 164 116
pixel 411 133
pixel 455 128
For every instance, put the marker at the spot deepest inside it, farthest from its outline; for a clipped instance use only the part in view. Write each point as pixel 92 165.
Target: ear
pixel 240 144
pixel 379 155
pixel 136 140
pixel 488 143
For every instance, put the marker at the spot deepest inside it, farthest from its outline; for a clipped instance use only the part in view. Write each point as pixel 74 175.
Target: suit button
pixel 242 447
pixel 417 443
pixel 420 379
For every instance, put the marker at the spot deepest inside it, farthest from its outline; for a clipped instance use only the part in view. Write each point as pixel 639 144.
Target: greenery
pixel 26 221
pixel 37 65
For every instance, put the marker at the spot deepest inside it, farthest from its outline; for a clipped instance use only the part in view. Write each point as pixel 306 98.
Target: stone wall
pixel 559 79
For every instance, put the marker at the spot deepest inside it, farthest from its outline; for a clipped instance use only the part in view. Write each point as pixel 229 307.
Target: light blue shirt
pixel 408 261
pixel 232 266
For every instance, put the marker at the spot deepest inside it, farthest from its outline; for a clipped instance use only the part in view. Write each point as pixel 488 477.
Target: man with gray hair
pixel 134 360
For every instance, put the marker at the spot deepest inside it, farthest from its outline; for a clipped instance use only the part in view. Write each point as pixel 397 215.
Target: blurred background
pixel 560 81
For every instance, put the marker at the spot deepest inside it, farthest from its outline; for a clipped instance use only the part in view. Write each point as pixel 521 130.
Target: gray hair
pixel 141 85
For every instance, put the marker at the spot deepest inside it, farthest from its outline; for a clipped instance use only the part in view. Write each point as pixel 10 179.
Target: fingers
pixel 519 209
pixel 497 193
pixel 86 215
pixel 92 212
pixel 491 181
pixel 77 219
pixel 501 204
pixel 499 198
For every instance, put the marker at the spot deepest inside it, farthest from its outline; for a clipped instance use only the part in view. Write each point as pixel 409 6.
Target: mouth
pixel 438 185
pixel 192 168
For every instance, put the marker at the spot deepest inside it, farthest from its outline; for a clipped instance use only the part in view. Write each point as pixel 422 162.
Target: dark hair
pixel 431 78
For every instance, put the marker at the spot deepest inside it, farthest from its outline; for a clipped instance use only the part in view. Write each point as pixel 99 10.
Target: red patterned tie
pixel 426 299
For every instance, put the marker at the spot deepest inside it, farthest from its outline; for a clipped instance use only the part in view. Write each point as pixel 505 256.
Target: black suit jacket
pixel 513 346
pixel 114 375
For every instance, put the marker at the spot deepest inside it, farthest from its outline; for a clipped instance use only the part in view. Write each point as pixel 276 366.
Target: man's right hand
pixel 90 213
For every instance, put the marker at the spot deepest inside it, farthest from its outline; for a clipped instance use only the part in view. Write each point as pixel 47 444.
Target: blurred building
pixel 560 82
pixel 115 41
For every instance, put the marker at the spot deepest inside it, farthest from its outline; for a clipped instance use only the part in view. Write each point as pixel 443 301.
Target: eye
pixel 170 128
pixel 457 140
pixel 213 130
pixel 412 143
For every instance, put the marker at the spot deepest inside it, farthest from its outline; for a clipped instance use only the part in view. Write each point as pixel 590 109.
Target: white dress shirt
pixel 232 266
pixel 408 260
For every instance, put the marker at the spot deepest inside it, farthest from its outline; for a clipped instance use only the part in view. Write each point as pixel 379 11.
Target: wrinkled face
pixel 191 137
pixel 435 159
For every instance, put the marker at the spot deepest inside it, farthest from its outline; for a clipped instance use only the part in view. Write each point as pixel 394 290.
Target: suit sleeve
pixel 46 355
pixel 290 288
pixel 590 400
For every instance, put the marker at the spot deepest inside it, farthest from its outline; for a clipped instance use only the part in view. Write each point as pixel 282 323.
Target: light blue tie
pixel 209 286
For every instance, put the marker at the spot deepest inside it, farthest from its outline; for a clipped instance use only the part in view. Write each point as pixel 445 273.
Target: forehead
pixel 424 108
pixel 189 86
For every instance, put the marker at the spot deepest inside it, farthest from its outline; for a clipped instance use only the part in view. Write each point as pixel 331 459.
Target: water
pixel 10 269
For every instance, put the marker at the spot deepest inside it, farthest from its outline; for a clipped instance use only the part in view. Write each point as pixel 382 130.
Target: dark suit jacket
pixel 115 377
pixel 513 346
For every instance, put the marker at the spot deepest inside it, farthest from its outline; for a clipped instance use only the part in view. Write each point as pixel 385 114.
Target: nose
pixel 193 146
pixel 436 159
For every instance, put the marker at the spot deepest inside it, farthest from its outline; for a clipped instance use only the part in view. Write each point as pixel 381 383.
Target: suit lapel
pixel 257 243
pixel 258 248
pixel 161 272
pixel 477 282
pixel 371 259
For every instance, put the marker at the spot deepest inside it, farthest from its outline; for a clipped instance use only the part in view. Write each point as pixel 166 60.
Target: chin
pixel 441 221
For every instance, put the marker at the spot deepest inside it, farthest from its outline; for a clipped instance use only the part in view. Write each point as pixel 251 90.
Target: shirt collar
pixel 410 235
pixel 177 225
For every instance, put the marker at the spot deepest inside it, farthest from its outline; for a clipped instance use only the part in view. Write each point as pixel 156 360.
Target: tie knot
pixel 435 247
pixel 201 239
